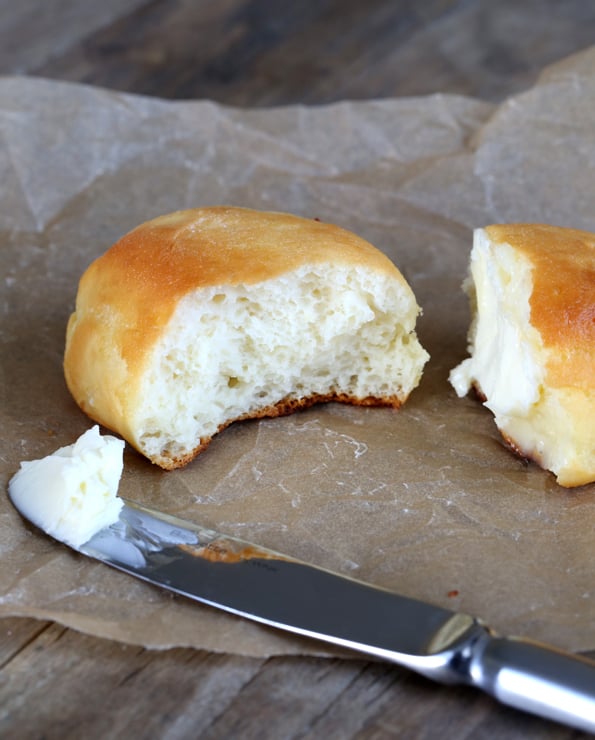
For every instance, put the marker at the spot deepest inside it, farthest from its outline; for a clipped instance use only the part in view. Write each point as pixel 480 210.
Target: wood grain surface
pixel 266 52
pixel 56 683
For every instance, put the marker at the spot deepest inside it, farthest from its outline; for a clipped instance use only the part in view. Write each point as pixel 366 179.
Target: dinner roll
pixel 532 342
pixel 202 317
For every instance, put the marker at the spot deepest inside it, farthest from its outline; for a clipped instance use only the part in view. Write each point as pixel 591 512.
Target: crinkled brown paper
pixel 425 500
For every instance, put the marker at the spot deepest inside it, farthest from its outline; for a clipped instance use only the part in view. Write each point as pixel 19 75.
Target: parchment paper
pixel 426 500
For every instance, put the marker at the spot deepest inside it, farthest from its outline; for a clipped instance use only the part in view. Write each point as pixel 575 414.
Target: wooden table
pixel 56 683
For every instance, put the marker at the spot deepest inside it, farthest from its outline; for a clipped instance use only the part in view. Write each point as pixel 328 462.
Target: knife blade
pixel 282 592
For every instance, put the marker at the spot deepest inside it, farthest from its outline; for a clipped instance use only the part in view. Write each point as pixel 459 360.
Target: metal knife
pixel 280 591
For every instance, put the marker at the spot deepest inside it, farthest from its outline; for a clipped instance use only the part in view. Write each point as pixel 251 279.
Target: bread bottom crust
pixel 285 407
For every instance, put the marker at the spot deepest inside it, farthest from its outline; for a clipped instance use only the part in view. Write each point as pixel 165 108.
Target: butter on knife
pixel 72 493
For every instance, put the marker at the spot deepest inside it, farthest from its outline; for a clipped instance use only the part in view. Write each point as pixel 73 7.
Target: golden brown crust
pixel 563 298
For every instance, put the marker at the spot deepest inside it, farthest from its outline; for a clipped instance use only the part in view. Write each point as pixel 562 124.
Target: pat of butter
pixel 72 493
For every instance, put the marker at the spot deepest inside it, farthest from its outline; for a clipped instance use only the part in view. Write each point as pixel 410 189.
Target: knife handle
pixel 537 679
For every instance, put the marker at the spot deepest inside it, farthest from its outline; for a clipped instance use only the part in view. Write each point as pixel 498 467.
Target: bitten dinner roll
pixel 532 342
pixel 202 317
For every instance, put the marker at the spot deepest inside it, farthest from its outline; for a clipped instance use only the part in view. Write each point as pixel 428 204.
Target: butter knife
pixel 280 591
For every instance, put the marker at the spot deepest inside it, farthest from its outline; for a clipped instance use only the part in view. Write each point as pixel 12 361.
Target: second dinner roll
pixel 532 342
pixel 202 317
